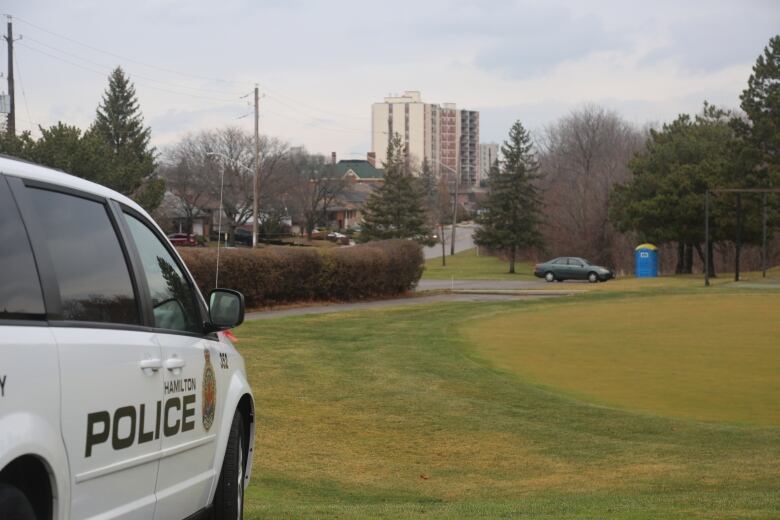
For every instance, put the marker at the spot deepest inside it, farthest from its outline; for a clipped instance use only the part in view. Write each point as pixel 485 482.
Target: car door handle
pixel 153 364
pixel 174 363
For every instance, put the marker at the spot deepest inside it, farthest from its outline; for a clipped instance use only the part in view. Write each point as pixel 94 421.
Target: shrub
pixel 285 274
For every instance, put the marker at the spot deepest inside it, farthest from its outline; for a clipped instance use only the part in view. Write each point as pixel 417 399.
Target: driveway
pixel 490 285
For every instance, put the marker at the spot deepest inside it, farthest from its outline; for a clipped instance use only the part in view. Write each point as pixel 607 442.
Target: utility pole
pixel 739 237
pixel 707 258
pixel 763 239
pixel 454 213
pixel 11 97
pixel 256 185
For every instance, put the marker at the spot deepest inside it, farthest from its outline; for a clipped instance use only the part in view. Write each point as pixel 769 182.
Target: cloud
pixel 717 37
pixel 536 45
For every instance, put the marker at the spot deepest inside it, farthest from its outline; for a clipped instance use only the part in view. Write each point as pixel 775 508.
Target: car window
pixel 20 288
pixel 91 270
pixel 173 300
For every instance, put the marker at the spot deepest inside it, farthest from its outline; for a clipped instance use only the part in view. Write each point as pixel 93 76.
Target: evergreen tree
pixel 664 202
pixel 396 209
pixel 120 124
pixel 761 103
pixel 511 214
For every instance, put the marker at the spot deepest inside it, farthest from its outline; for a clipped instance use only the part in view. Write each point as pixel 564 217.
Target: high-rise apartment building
pixel 446 137
pixel 450 137
pixel 488 154
pixel 469 147
pixel 414 121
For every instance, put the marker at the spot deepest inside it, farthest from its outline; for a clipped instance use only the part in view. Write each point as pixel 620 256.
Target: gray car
pixel 572 268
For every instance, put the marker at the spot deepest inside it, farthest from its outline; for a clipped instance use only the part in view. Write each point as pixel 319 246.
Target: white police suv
pixel 120 396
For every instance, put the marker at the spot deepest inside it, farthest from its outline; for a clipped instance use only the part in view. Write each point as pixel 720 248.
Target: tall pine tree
pixel 761 103
pixel 119 123
pixel 396 209
pixel 511 214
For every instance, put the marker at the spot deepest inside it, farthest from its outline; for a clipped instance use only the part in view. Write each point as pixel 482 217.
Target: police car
pixel 120 395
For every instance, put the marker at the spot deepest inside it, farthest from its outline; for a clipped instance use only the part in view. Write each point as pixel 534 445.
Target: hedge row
pixel 286 274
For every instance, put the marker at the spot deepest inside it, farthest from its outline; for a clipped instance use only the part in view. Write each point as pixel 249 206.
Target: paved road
pixel 399 302
pixel 492 285
pixel 463 240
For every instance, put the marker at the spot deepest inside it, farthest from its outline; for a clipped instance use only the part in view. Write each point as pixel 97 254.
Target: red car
pixel 182 239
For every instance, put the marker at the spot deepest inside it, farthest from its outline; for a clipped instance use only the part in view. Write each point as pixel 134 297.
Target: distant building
pixel 448 138
pixel 359 170
pixel 363 178
pixel 468 154
pixel 488 155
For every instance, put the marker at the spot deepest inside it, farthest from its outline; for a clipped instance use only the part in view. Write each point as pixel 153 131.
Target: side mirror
pixel 226 309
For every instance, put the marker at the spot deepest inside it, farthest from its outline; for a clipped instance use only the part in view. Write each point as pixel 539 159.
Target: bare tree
pixel 312 187
pixel 187 172
pixel 197 164
pixel 583 155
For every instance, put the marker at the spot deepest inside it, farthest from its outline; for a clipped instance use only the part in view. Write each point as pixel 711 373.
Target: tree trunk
pixel 679 268
pixel 700 252
pixel 443 247
pixel 688 267
pixel 711 254
pixel 739 237
pixel 512 260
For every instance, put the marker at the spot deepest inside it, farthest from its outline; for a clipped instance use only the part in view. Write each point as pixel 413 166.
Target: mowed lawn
pixel 468 265
pixel 407 414
pixel 709 357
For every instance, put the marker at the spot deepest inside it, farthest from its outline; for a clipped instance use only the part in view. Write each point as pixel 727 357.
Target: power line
pixel 321 110
pixel 21 84
pixel 312 122
pixel 111 67
pixel 313 112
pixel 184 74
pixel 109 53
pixel 305 113
pixel 103 74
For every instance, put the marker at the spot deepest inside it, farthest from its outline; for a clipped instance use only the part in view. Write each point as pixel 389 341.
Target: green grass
pixel 466 265
pixel 705 357
pixel 393 414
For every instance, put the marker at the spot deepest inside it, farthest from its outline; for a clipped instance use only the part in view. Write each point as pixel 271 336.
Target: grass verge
pixel 467 265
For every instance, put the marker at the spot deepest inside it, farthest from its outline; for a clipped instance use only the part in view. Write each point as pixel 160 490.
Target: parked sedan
pixel 182 239
pixel 572 268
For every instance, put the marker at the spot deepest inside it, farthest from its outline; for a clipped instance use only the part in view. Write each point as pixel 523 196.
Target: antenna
pixel 219 219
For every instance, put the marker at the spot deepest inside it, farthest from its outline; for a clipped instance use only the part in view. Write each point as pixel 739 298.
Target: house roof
pixel 360 168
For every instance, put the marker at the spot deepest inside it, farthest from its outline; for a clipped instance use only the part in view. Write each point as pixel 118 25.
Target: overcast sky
pixel 321 63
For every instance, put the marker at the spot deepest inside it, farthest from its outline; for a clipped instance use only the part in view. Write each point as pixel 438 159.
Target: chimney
pixel 333 158
pixel 371 158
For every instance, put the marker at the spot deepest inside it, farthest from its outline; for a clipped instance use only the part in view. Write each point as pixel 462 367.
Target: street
pixel 463 240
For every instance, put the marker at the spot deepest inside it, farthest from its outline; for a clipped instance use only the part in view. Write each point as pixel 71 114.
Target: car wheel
pixel 229 497
pixel 14 504
pixel 593 277
pixel 549 277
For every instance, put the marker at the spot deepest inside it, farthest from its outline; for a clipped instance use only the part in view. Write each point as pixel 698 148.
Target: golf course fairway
pixel 705 357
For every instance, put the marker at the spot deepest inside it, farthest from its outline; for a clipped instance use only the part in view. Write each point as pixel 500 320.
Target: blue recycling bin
pixel 646 257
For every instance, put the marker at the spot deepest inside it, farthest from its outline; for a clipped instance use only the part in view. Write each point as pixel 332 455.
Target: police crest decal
pixel 209 392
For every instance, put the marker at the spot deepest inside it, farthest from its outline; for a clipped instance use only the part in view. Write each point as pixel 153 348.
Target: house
pixel 362 178
pixel 346 210
pixel 359 170
pixel 173 217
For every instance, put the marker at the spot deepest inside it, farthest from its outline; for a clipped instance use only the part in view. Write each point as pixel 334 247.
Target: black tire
pixel 229 497
pixel 14 504
pixel 593 277
pixel 549 276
